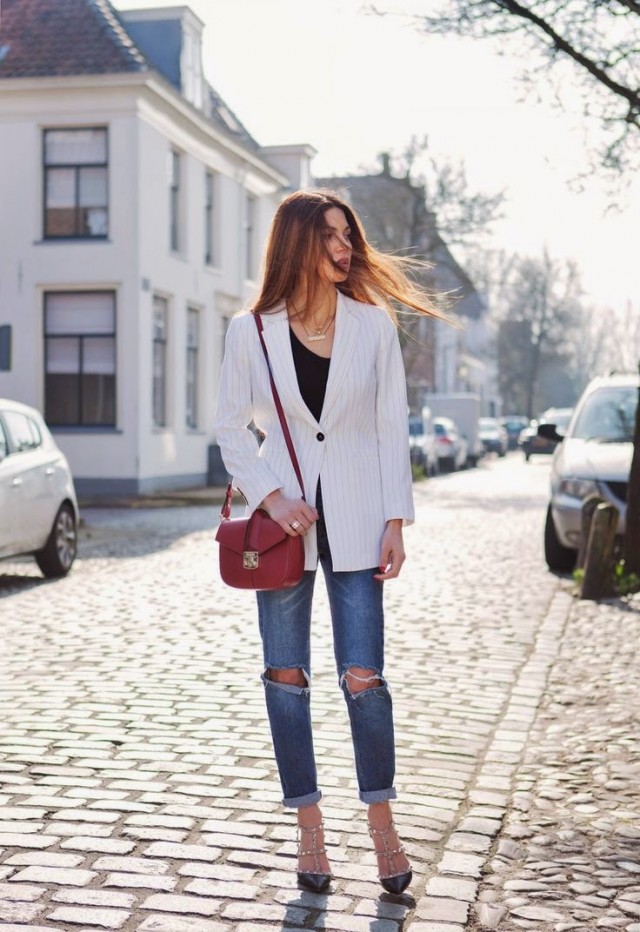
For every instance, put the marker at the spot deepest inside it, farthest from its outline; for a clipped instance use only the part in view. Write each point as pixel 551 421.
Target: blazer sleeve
pixel 238 444
pixel 393 427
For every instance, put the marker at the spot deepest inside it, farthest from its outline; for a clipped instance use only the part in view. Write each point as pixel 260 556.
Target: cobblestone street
pixel 569 857
pixel 137 788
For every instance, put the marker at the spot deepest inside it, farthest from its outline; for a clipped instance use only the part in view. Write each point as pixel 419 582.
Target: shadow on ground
pixel 117 533
pixel 108 533
pixel 13 582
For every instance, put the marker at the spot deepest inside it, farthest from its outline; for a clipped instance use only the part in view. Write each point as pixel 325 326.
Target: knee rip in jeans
pixel 360 679
pixel 291 679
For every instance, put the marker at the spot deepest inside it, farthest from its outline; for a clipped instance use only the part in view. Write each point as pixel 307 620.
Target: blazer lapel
pixel 278 340
pixel 344 343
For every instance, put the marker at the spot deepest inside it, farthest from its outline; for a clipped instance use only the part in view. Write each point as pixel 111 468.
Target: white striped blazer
pixel 360 446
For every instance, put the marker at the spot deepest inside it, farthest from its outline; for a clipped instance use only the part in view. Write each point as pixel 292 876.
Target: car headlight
pixel 578 488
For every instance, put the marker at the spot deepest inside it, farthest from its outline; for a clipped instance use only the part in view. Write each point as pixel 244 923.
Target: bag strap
pixel 279 408
pixel 226 507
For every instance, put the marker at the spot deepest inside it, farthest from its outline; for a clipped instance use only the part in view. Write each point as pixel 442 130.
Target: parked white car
pixel 593 457
pixel 422 442
pixel 452 448
pixel 38 505
pixel 493 436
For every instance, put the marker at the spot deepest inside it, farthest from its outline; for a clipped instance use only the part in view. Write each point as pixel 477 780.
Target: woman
pixel 337 364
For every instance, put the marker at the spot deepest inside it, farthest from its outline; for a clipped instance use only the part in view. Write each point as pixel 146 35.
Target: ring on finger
pixel 295 525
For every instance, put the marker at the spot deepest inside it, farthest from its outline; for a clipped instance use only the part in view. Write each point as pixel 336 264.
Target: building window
pixel 174 204
pixel 193 344
pixel 210 218
pixel 250 235
pixel 75 183
pixel 160 332
pixel 191 67
pixel 80 358
pixel 5 348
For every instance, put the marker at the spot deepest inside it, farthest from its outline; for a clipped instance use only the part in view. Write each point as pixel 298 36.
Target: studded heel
pixel 315 880
pixel 393 882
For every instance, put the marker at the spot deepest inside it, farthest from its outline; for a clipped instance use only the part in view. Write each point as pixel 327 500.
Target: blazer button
pixel 320 436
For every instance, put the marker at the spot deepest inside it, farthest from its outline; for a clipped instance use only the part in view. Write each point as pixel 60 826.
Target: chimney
pixel 385 159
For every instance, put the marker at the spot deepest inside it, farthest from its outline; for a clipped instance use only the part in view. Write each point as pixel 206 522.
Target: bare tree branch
pixel 600 38
pixel 631 96
pixel 538 304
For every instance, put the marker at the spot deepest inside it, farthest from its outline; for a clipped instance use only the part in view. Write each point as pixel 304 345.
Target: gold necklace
pixel 319 333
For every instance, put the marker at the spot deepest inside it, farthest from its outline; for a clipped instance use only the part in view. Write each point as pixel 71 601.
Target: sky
pixel 353 85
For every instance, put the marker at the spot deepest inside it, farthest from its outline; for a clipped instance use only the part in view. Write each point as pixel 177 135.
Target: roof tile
pixel 53 38
pixel 40 38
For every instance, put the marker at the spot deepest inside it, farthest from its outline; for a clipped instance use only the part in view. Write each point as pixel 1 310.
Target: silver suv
pixel 593 458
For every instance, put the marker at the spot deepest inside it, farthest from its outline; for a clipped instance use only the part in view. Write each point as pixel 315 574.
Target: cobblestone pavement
pixel 569 854
pixel 137 790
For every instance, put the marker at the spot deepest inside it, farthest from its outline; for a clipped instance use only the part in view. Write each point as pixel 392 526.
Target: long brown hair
pixel 296 246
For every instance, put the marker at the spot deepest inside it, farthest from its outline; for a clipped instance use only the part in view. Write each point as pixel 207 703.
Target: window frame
pixel 191 67
pixel 164 422
pixel 251 210
pixel 210 218
pixel 192 384
pixel 77 167
pixel 175 189
pixel 81 336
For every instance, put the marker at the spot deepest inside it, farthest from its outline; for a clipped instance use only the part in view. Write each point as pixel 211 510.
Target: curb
pixel 209 495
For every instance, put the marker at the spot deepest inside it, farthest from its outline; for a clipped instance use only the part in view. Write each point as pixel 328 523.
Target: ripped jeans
pixel 284 615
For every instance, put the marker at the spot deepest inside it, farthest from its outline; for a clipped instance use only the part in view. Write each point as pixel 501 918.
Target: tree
pixel 590 347
pixel 621 338
pixel 463 217
pixel 537 308
pixel 600 39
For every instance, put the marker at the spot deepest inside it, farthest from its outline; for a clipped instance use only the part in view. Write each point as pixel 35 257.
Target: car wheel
pixel 560 559
pixel 57 556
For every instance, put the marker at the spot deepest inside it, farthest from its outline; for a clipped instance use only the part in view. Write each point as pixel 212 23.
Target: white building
pixel 134 206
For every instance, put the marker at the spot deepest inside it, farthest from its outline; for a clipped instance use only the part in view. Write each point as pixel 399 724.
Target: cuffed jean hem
pixel 297 802
pixel 378 796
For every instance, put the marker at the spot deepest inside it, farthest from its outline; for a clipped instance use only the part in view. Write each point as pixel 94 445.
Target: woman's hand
pixel 392 554
pixel 292 514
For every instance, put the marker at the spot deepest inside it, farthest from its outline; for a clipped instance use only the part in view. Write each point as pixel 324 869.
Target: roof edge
pixel 154 82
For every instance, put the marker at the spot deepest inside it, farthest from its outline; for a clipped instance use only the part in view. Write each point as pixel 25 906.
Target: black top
pixel 312 372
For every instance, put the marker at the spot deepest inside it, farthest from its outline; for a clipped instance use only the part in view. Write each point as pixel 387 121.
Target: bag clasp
pixel 250 559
